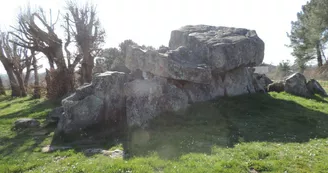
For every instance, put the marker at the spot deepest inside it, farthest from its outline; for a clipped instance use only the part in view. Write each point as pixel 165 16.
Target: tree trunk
pixel 16 83
pixel 20 81
pixel 86 69
pixel 27 76
pixel 15 90
pixel 2 89
pixel 82 72
pixel 319 56
pixel 37 89
pixel 59 81
pixel 86 73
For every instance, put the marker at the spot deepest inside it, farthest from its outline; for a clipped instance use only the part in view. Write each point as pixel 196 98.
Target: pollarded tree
pixel 15 61
pixel 15 90
pixel 31 35
pixel 86 30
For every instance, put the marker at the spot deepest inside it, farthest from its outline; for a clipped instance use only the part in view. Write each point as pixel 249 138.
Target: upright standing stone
pixel 296 85
pixel 99 103
pixel 315 88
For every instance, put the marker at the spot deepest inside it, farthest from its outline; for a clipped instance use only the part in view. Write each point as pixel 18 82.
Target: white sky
pixel 150 22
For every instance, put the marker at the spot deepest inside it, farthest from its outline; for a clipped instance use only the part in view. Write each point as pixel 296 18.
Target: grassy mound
pixel 267 132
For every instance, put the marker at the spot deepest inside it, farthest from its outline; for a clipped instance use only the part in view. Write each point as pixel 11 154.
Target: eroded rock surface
pixel 296 85
pixel 238 82
pixel 173 65
pixel 146 99
pixel 222 48
pixel 96 103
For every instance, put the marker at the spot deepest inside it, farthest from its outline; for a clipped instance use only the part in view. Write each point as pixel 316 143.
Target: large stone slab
pixel 146 99
pixel 223 48
pixel 202 92
pixel 100 102
pixel 176 64
pixel 238 82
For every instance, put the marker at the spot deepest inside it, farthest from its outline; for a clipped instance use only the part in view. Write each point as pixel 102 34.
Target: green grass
pixel 324 84
pixel 270 133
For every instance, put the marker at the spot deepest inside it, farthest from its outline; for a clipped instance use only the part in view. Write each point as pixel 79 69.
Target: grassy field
pixel 267 132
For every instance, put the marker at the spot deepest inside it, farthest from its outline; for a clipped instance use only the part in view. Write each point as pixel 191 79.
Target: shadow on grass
pixel 227 121
pixel 24 141
pixel 319 98
pixel 5 98
pixel 5 106
pixel 221 123
pixel 35 107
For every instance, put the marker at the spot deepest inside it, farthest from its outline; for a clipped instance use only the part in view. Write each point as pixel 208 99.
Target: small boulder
pixel 25 123
pixel 296 85
pixel 276 87
pixel 315 88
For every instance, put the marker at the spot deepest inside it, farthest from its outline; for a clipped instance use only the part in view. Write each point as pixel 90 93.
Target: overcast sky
pixel 150 22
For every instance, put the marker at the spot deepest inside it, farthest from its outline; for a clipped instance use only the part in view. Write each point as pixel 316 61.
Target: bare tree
pixel 2 88
pixel 14 62
pixel 15 91
pixel 30 35
pixel 85 28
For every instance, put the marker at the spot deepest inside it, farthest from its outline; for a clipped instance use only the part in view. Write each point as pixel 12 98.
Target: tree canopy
pixel 309 35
